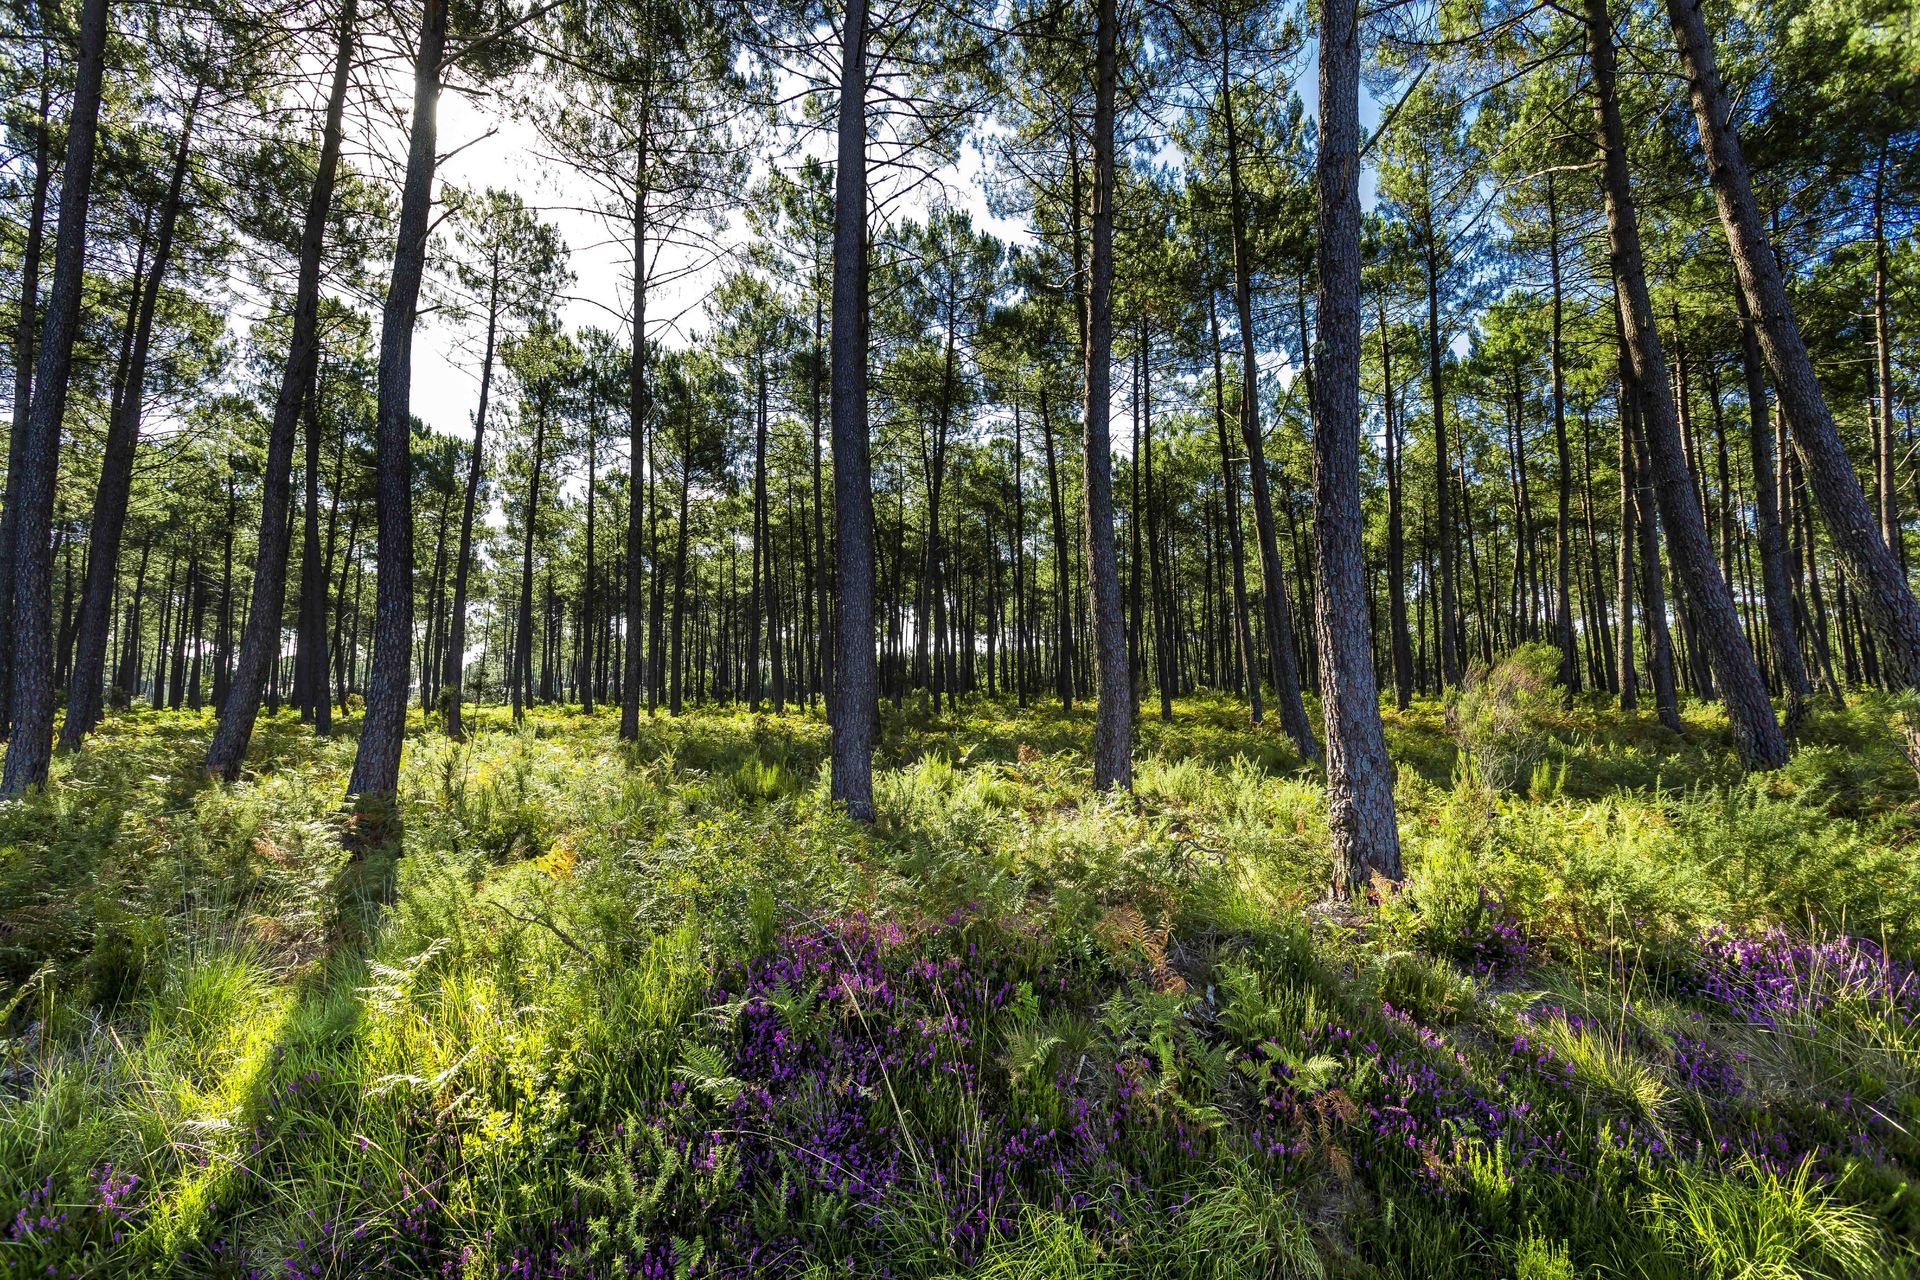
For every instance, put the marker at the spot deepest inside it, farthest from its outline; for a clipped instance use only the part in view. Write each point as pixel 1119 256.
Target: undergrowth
pixel 654 1009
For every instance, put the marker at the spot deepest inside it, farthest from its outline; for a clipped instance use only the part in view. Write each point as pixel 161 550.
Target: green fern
pixel 705 1068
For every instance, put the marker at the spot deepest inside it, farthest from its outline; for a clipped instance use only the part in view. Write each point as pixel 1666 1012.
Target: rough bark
pixel 108 524
pixel 1563 532
pixel 1366 837
pixel 313 582
pixel 1236 537
pixel 1113 708
pixel 855 708
pixel 1776 574
pixel 260 634
pixel 31 745
pixel 376 765
pixel 1280 639
pixel 584 668
pixel 1063 610
pixel 1396 528
pixel 1452 643
pixel 25 340
pixel 1887 483
pixel 634 673
pixel 1756 733
pixel 1879 584
pixel 520 691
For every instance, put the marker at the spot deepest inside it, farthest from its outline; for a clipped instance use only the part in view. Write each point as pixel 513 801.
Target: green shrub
pixel 1503 715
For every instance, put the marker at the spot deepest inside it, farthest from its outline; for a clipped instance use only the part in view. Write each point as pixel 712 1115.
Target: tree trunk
pixel 1165 670
pixel 1653 600
pixel 1563 532
pixel 823 640
pixel 434 659
pixel 1452 644
pixel 1860 544
pixel 109 520
pixel 758 577
pixel 1366 837
pixel 25 338
pixel 636 600
pixel 463 563
pixel 1396 527
pixel 1888 482
pixel 1776 574
pixel 31 745
pixel 259 637
pixel 313 581
pixel 1756 732
pixel 584 668
pixel 674 703
pixel 199 617
pixel 376 766
pixel 1113 708
pixel 1063 613
pixel 854 705
pixel 1280 639
pixel 521 681
pixel 1236 538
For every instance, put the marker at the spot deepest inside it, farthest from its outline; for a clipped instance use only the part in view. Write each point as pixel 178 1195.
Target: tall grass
pixel 1630 1012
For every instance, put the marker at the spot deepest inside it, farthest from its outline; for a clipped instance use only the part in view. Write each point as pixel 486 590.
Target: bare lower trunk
pixel 313 582
pixel 31 512
pixel 521 691
pixel 1280 640
pixel 376 765
pixel 1879 582
pixel 109 521
pixel 1717 625
pixel 1396 529
pixel 1366 837
pixel 1776 575
pixel 633 675
pixel 260 635
pixel 1563 535
pixel 25 340
pixel 1653 596
pixel 1236 537
pixel 1113 709
pixel 854 703
pixel 463 563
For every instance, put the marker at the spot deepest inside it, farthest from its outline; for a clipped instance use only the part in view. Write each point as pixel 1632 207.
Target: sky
pixel 487 148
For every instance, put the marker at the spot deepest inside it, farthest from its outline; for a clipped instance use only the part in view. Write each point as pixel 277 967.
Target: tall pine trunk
pixel 1361 820
pixel 25 339
pixel 1396 527
pixel 584 669
pixel 376 765
pixel 1280 639
pixel 313 582
pixel 1062 591
pixel 1113 708
pixel 1452 643
pixel 1563 532
pixel 30 748
pixel 260 635
pixel 463 561
pixel 855 701
pixel 1756 733
pixel 522 679
pixel 1880 584
pixel 109 521
pixel 1776 573
pixel 633 673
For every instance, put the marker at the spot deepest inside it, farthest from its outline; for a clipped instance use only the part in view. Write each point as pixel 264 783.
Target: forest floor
pixel 590 1009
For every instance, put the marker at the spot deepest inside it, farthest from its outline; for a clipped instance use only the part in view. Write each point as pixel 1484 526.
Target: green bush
pixel 1504 714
